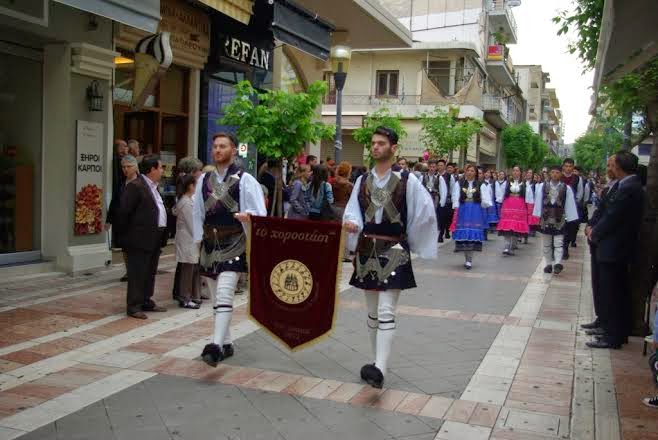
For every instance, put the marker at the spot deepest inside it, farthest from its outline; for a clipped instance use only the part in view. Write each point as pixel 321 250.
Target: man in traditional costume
pixel 389 216
pixel 576 183
pixel 445 211
pixel 223 203
pixel 555 205
pixel 436 187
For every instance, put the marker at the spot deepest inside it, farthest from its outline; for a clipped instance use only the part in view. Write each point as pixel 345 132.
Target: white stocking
pixel 372 301
pixel 226 284
pixel 558 243
pixel 548 248
pixel 388 300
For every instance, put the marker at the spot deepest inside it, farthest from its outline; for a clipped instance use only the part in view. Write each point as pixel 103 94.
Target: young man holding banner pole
pixel 223 202
pixel 389 216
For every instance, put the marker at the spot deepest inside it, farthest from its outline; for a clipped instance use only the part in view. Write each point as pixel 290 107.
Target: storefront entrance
pixel 21 94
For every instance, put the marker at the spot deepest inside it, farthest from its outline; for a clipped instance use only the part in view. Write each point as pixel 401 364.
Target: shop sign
pixel 89 178
pixel 247 53
pixel 243 150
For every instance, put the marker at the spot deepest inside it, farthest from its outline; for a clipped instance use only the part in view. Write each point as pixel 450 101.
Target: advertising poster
pixel 89 178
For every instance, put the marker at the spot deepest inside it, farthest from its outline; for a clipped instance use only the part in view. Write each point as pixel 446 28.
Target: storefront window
pixel 20 155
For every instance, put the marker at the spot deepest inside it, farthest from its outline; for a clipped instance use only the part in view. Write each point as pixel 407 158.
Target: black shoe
pixel 212 355
pixel 565 255
pixel 227 350
pixel 372 375
pixel 602 343
pixel 558 268
pixel 124 279
pixel 440 239
pixel 574 244
pixel 595 331
pixel 548 269
pixel 447 234
pixel 594 324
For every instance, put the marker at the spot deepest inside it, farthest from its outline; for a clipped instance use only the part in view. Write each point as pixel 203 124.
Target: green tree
pixel 552 159
pixel 517 144
pixel 443 131
pixel 591 150
pixel 382 117
pixel 279 123
pixel 585 21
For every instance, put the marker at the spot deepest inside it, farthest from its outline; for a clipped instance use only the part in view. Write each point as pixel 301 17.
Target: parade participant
pixel 436 187
pixel 587 193
pixel 555 205
pixel 533 222
pixel 513 213
pixel 499 190
pixel 470 198
pixel 224 201
pixel 389 216
pixel 491 213
pixel 446 172
pixel 576 184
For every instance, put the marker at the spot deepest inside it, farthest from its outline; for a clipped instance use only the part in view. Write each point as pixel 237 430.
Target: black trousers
pixel 445 219
pixel 599 308
pixel 142 267
pixel 616 299
pixel 175 291
pixel 571 232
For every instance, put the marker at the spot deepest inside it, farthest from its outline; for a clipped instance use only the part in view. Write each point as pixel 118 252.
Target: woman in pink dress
pixel 514 213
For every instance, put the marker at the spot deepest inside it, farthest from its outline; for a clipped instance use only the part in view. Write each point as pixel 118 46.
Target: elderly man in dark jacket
pixel 615 236
pixel 143 220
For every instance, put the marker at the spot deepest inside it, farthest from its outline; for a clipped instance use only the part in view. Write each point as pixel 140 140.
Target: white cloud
pixel 538 43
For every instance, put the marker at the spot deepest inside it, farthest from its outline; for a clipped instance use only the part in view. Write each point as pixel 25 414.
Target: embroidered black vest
pixel 220 214
pixel 508 189
pixel 448 181
pixel 554 210
pixel 463 188
pixel 434 186
pixel 398 197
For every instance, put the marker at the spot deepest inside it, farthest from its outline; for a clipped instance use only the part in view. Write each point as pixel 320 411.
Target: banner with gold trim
pixel 294 274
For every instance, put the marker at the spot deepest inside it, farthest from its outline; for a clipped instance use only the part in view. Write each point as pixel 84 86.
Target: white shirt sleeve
pixel 529 196
pixel 539 199
pixel 422 231
pixel 443 192
pixel 500 191
pixel 587 192
pixel 252 199
pixel 570 209
pixel 455 195
pixel 353 215
pixel 485 195
pixel 199 212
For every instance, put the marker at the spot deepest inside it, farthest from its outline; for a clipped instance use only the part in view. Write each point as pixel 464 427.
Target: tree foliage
pixel 591 150
pixel 585 20
pixel 443 131
pixel 279 123
pixel 382 117
pixel 524 147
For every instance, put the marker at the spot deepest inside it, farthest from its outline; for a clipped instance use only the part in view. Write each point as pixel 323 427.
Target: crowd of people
pixel 409 208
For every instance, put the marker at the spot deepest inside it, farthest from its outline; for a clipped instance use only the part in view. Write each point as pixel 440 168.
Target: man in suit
pixel 143 221
pixel 596 327
pixel 615 236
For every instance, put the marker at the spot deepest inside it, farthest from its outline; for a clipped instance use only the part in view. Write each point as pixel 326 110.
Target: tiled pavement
pixel 488 354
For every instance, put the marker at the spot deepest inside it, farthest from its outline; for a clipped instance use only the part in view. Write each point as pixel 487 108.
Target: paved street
pixel 492 353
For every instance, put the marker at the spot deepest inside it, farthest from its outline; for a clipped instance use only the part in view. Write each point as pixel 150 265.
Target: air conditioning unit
pixel 513 3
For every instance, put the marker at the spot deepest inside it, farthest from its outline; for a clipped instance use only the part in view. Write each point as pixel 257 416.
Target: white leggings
pixel 553 249
pixel 224 290
pixel 381 323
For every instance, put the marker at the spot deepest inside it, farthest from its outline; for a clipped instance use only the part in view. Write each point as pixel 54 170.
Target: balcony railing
pixel 503 6
pixel 374 100
pixel 509 112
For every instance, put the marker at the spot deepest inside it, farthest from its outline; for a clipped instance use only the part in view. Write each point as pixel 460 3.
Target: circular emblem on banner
pixel 291 281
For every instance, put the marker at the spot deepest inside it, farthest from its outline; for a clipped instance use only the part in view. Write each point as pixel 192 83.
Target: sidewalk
pixel 493 353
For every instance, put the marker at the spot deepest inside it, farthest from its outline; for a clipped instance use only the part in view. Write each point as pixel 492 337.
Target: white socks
pixel 386 303
pixel 371 304
pixel 224 293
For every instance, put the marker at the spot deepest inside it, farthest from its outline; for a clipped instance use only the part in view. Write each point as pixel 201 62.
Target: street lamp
pixel 340 63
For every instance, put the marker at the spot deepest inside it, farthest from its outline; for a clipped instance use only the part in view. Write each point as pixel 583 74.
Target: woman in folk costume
pixel 470 199
pixel 514 213
pixel 532 220
pixel 491 213
pixel 499 190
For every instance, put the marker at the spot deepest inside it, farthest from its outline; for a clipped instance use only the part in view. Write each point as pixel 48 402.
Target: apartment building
pixel 459 58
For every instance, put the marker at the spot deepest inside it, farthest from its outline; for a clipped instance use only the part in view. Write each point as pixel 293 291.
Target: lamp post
pixel 340 63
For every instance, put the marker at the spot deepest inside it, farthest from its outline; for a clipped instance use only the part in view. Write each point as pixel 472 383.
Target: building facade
pixel 459 59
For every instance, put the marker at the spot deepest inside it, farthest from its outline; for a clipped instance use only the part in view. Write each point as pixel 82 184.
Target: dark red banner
pixel 293 277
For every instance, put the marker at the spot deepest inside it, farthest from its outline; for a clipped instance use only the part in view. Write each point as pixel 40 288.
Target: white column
pixel 193 113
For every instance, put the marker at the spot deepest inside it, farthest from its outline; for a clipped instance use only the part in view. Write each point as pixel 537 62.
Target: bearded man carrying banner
pixel 389 216
pixel 223 202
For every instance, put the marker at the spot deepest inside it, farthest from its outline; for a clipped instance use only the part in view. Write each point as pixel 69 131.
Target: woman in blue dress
pixel 491 212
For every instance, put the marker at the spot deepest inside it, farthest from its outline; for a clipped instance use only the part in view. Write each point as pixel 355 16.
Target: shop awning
pixel 240 10
pixel 144 14
pixel 295 26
